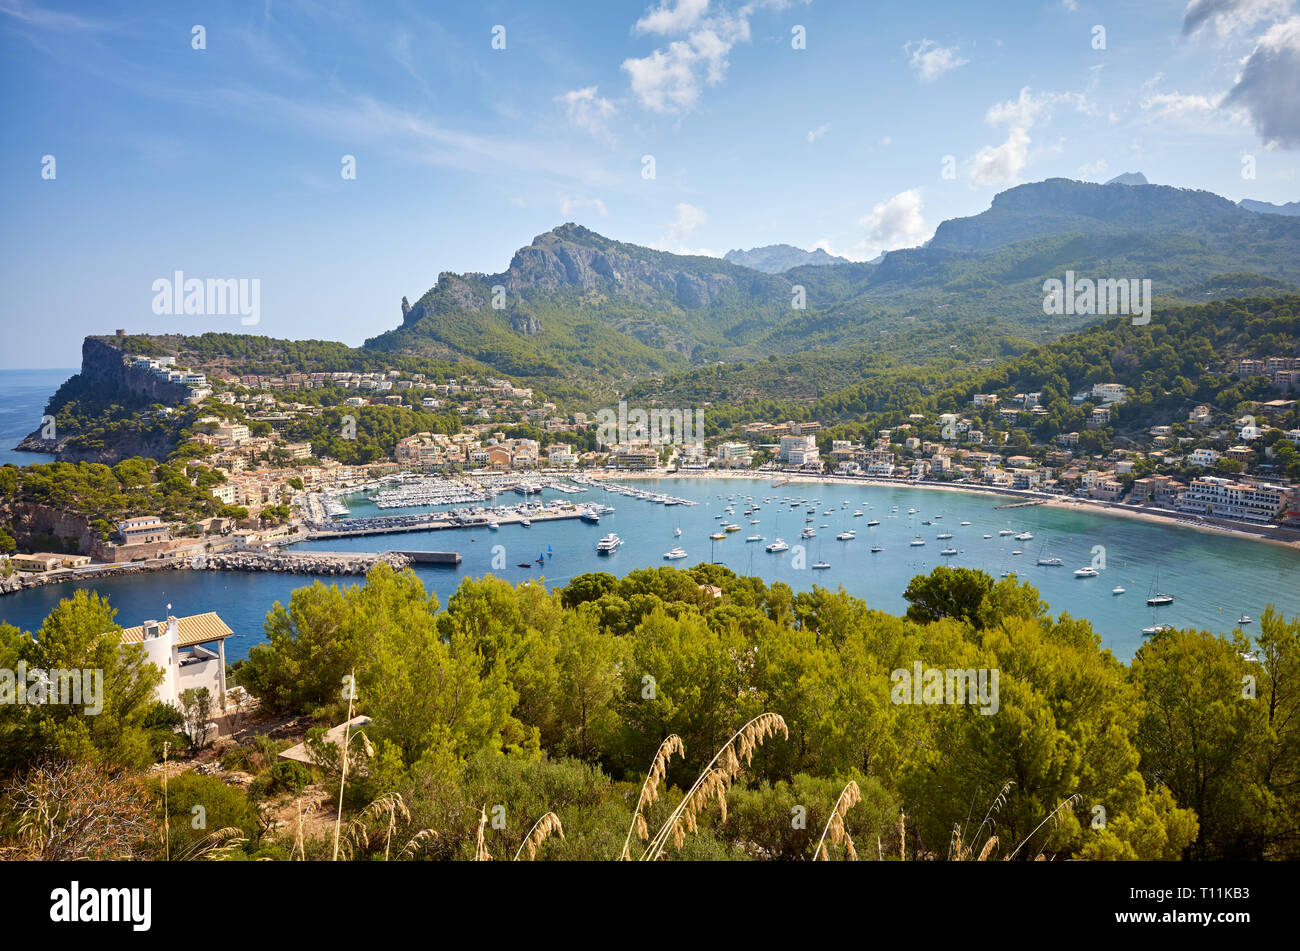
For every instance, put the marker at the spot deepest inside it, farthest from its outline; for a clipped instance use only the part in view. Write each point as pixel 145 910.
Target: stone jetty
pixel 302 562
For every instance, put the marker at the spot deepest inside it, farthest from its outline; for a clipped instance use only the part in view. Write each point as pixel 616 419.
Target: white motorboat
pixel 778 545
pixel 674 553
pixel 1085 572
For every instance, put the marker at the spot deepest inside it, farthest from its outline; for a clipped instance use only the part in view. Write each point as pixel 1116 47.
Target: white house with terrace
pixel 190 651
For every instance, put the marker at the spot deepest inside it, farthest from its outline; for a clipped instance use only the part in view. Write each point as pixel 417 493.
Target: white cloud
pixel 671 78
pixel 1269 85
pixel 688 220
pixel 930 61
pixel 588 111
pixel 897 222
pixel 817 133
pixel 1093 169
pixel 671 17
pixel 1232 16
pixel 569 205
pixel 1071 5
pixel 1002 164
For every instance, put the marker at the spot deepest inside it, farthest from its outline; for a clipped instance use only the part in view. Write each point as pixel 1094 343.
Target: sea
pixel 1215 578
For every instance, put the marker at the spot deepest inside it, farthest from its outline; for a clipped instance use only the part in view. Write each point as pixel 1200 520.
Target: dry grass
pixel 650 790
pixel 714 782
pixel 850 796
pixel 480 845
pixel 543 827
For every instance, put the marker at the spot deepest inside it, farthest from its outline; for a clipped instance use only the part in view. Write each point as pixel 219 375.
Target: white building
pixel 1110 393
pixel 190 651
pixel 1203 457
pixel 1243 501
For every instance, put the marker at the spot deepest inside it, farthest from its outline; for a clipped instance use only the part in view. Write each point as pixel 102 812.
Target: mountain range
pixel 577 308
pixel 775 258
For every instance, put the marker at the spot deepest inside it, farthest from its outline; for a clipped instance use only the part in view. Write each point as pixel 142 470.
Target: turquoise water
pixel 1214 578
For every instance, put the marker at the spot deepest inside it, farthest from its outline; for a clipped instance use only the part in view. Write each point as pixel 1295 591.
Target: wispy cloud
pixel 587 110
pixel 817 133
pixel 929 60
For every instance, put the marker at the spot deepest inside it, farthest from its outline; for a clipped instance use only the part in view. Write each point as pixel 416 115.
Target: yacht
pixel 1118 589
pixel 717 536
pixel 1050 561
pixel 525 523
pixel 948 551
pixel 1245 619
pixel 494 526
pixel 675 553
pixel 1006 531
pixel 1085 572
pixel 821 565
pixel 1024 536
pixel 731 527
pixel 778 545
pixel 1156 597
pixel 846 536
pixel 944 535
pixel 1157 629
pixel 590 515
pixel 609 544
pixel 874 522
pixel 754 538
pixel 917 541
pixel 809 532
pixel 876 548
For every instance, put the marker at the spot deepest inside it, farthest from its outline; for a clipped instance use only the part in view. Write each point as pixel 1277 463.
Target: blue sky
pixel 226 161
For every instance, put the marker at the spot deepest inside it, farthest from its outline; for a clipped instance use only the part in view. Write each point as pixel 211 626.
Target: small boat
pixel 718 536
pixel 494 526
pixel 927 522
pixel 732 527
pixel 1245 619
pixel 846 536
pixel 1006 531
pixel 778 545
pixel 858 514
pixel 821 566
pixel 987 535
pixel 808 533
pixel 754 538
pixel 674 553
pixel 1156 597
pixel 1085 572
pixel 944 535
pixel 1017 552
pixel 677 532
pixel 917 542
pixel 875 549
pixel 608 545
pixel 1050 561
pixel 1157 629
pixel 1249 657
pixel 525 523
pixel 590 515
pixel 1118 589
pixel 963 523
pixel 524 564
pixel 948 551
pixel 1024 536
pixel 874 522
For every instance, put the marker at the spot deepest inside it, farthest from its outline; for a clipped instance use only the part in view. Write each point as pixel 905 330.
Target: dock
pixel 430 557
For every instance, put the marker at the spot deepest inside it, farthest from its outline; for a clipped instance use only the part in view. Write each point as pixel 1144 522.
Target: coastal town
pixel 273 488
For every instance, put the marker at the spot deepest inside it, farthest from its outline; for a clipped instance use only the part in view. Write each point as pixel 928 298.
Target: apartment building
pixel 1244 501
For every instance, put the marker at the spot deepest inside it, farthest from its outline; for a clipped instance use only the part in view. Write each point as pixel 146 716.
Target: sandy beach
pixel 1272 534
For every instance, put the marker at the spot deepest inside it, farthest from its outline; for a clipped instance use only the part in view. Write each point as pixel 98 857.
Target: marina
pixel 1214 579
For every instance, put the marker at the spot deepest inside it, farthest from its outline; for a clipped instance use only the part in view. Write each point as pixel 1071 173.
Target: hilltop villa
pixel 190 651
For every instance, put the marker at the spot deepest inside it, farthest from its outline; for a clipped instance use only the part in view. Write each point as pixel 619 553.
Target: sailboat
pixel 1156 597
pixel 1050 561
pixel 821 564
